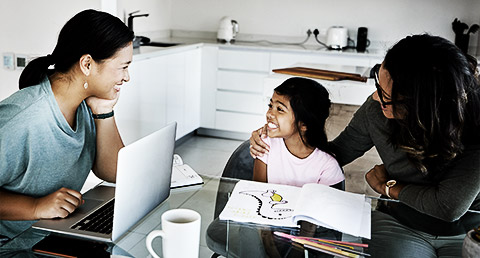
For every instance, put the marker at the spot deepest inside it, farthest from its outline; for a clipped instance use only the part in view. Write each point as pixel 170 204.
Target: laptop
pixel 144 171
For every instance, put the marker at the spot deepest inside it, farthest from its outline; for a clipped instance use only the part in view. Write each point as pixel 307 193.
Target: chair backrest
pixel 240 163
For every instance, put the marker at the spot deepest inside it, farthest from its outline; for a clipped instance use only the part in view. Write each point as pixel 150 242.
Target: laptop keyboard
pixel 100 221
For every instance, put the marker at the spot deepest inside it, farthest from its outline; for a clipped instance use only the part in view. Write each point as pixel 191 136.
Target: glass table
pixel 227 238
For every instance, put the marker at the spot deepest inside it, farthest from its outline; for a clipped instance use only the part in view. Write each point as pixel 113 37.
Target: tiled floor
pixel 208 155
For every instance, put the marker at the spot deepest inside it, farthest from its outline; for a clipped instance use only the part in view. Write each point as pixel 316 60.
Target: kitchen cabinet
pixel 239 92
pixel 220 87
pixel 162 89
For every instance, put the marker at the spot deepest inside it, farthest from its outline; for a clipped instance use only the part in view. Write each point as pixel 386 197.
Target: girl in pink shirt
pixel 296 135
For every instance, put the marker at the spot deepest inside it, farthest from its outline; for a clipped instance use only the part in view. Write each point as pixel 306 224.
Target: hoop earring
pixel 85 85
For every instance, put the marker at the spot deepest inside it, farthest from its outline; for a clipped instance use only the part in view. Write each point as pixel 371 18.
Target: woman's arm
pixel 259 171
pixel 108 140
pixel 453 195
pixel 59 204
pixel 109 143
pixel 448 199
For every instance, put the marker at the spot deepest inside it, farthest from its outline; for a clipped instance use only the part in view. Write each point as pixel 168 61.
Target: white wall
pixel 32 27
pixel 387 20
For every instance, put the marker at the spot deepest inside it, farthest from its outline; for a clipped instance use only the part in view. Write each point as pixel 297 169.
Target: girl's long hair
pixel 436 100
pixel 311 105
pixel 89 32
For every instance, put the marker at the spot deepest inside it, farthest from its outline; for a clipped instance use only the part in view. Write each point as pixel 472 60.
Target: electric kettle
pixel 227 30
pixel 337 37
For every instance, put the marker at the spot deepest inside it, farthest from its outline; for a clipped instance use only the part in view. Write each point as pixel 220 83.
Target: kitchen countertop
pixel 145 52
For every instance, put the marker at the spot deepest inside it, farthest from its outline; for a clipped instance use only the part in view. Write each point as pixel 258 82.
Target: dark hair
pixel 435 97
pixel 311 105
pixel 89 32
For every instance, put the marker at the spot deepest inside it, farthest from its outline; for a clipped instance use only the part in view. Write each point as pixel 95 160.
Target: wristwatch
pixel 388 185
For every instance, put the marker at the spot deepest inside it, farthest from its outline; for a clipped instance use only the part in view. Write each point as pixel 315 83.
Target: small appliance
pixel 227 30
pixel 362 40
pixel 337 37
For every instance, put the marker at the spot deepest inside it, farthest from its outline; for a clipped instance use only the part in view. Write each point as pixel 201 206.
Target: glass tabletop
pixel 227 238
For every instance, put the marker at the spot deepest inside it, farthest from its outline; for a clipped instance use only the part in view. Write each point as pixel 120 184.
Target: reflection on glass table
pixel 227 238
pixel 236 239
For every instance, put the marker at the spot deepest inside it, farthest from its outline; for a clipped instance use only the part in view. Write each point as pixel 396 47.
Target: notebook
pixel 144 171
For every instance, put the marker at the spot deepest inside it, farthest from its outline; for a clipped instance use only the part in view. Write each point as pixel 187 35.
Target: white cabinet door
pixel 240 81
pixel 193 68
pixel 239 91
pixel 209 66
pixel 183 90
pixel 244 60
pixel 161 90
pixel 141 108
pixel 176 91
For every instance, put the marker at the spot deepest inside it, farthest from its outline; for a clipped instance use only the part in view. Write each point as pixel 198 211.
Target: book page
pixel 184 175
pixel 335 209
pixel 261 203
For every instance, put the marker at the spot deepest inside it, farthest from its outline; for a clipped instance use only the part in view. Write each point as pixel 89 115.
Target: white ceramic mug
pixel 180 234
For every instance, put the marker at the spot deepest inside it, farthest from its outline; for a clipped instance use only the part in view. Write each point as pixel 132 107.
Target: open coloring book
pixel 183 174
pixel 283 205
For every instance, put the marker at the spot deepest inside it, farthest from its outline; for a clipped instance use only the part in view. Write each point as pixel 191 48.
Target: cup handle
pixel 152 235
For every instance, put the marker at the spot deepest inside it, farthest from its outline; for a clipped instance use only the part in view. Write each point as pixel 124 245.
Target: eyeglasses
pixel 380 91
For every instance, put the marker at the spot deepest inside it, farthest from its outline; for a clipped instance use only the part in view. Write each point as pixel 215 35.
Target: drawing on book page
pixel 270 204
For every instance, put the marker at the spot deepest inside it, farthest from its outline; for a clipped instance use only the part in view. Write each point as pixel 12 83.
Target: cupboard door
pixel 141 107
pixel 244 60
pixel 240 102
pixel 241 81
pixel 238 122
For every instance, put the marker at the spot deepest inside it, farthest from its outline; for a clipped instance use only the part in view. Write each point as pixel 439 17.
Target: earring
pixel 85 85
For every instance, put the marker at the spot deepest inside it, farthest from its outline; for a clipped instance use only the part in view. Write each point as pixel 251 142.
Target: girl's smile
pixel 280 117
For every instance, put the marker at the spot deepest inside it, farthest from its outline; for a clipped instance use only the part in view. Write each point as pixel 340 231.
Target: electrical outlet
pixel 21 61
pixel 9 61
pixel 304 29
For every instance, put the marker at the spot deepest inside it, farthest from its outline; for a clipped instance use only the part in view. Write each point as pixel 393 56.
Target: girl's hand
pixel 58 204
pixel 257 146
pixel 377 177
pixel 102 106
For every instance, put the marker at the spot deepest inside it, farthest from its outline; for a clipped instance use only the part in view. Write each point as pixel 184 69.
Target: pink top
pixel 284 168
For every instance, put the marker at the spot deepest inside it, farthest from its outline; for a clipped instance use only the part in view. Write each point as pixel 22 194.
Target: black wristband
pixel 102 116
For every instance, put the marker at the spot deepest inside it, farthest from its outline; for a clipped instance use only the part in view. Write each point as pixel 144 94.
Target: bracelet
pixel 102 116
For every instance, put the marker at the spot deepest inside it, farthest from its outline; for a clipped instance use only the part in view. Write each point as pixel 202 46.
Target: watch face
pixel 391 183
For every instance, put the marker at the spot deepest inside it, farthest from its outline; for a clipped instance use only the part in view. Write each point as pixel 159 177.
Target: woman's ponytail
pixel 35 71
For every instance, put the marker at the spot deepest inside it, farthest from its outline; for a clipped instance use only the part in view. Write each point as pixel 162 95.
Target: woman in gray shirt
pixel 424 121
pixel 60 124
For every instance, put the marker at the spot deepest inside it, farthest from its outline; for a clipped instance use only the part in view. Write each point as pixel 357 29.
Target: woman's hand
pixel 377 177
pixel 257 146
pixel 102 106
pixel 58 204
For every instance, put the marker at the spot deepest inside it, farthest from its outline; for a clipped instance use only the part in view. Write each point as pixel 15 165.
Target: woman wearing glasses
pixel 424 121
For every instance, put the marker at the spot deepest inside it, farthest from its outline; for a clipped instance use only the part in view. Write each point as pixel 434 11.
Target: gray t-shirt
pixel 434 204
pixel 39 151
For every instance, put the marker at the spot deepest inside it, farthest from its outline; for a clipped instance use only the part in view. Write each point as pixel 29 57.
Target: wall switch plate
pixel 21 61
pixel 9 61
